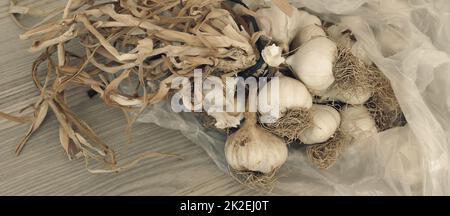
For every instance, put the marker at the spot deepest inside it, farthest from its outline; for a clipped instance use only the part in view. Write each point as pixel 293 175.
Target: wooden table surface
pixel 43 168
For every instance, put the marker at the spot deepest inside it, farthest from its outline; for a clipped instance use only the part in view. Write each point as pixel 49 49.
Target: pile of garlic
pixel 317 108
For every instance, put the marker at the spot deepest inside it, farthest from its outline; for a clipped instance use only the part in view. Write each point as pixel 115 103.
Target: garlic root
pixel 324 156
pixel 255 180
pixel 353 83
pixel 383 105
pixel 292 123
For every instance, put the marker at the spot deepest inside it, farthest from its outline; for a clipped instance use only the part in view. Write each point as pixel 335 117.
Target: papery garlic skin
pixel 313 63
pixel 348 96
pixel 326 121
pixel 357 122
pixel 224 118
pixel 282 28
pixel 291 94
pixel 272 55
pixel 276 24
pixel 252 148
pixel 229 119
pixel 306 34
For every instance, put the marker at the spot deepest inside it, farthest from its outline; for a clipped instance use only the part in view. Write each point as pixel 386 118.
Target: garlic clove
pixel 313 63
pixel 326 121
pixel 272 55
pixel 306 34
pixel 357 122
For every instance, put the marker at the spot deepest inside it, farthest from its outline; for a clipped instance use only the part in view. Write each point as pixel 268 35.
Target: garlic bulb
pixel 313 63
pixel 348 96
pixel 338 34
pixel 306 34
pixel 282 28
pixel 352 78
pixel 291 94
pixel 272 55
pixel 254 149
pixel 357 122
pixel 326 121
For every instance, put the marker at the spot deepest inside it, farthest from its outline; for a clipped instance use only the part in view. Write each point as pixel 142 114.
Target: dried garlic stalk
pixel 144 40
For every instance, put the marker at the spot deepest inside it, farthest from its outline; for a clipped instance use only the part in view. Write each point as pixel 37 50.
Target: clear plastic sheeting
pixel 410 42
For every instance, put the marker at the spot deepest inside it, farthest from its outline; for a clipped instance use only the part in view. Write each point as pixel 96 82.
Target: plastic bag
pixel 410 42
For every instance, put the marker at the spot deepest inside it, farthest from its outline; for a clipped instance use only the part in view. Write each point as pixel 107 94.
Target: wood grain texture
pixel 43 169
